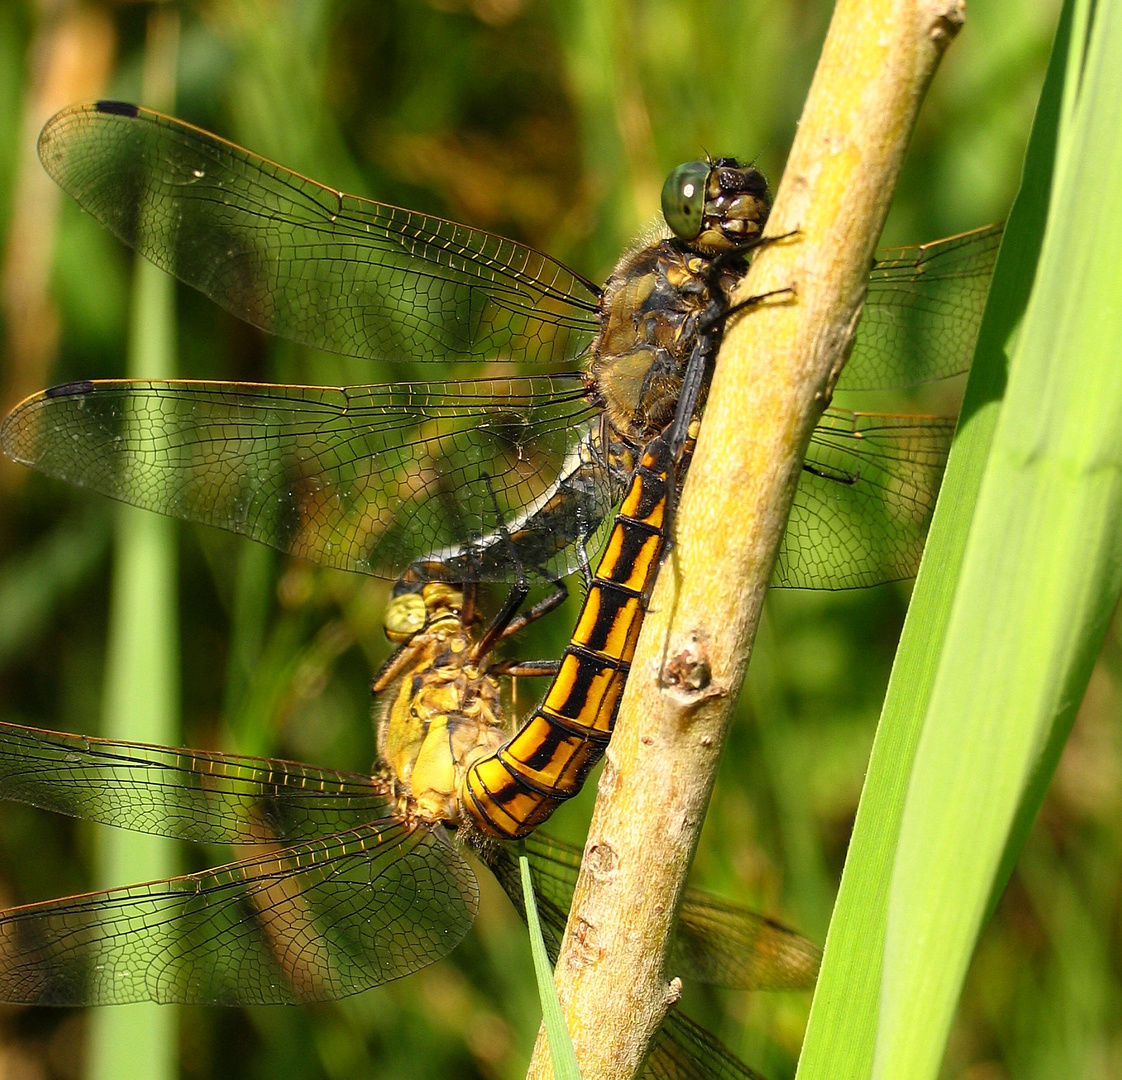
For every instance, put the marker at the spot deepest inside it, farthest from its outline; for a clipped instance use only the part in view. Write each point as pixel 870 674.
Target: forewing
pixel 310 922
pixel 862 508
pixel 194 795
pixel 922 311
pixel 363 478
pixel 311 264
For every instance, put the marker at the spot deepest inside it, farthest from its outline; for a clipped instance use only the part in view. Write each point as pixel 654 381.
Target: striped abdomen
pixel 512 791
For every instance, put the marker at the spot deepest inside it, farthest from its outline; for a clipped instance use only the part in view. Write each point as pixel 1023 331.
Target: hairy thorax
pixel 651 310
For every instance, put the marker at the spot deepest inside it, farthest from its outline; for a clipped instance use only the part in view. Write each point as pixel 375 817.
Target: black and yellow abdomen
pixel 513 790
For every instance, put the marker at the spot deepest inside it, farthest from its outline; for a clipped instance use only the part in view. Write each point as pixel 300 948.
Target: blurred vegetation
pixel 553 124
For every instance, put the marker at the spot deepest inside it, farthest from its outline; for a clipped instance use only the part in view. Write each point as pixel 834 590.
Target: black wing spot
pixel 71 389
pixel 117 108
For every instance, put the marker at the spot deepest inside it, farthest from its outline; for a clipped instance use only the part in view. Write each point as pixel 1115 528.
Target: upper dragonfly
pixel 538 449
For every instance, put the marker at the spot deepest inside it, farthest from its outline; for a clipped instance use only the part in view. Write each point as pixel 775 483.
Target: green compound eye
pixel 683 199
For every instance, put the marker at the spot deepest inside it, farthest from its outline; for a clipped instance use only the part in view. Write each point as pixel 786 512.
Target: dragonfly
pixel 258 460
pixel 574 380
pixel 344 881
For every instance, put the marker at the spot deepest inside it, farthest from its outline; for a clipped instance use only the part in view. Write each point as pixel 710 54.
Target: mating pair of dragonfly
pixel 589 399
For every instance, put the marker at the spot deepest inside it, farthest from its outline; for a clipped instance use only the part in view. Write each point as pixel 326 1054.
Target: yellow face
pixel 436 604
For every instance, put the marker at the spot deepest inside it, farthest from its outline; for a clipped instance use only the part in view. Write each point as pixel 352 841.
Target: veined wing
pixel 717 943
pixel 317 920
pixel 310 922
pixel 684 1050
pixel 922 311
pixel 728 945
pixel 339 894
pixel 362 478
pixel 865 499
pixel 681 1049
pixel 204 797
pixel 309 263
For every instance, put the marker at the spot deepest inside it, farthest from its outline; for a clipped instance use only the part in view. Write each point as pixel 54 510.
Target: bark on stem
pixel 776 371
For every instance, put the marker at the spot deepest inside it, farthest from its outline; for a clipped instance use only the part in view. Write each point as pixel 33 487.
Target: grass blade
pixel 842 1030
pixel 560 1045
pixel 141 695
pixel 1039 581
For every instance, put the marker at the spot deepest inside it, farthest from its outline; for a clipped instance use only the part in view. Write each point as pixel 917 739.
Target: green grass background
pixel 555 124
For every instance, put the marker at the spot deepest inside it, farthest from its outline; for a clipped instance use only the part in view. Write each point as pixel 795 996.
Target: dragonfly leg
pixel 582 551
pixel 503 620
pixel 399 662
pixel 788 292
pixel 506 622
pixel 544 606
pixel 525 668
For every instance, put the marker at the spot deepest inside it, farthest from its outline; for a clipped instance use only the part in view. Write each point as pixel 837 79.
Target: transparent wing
pixel 684 1050
pixel 204 797
pixel 371 478
pixel 310 922
pixel 681 1049
pixel 337 895
pixel 922 311
pixel 311 264
pixel 362 478
pixel 714 942
pixel 862 508
pixel 727 945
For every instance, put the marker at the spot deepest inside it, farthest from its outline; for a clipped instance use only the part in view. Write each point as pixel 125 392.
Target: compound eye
pixel 683 199
pixel 405 617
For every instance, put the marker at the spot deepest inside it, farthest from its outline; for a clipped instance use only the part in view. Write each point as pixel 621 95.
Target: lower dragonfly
pixel 346 881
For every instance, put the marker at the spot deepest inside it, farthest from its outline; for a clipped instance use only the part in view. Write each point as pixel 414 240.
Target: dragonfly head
pixel 715 205
pixel 435 606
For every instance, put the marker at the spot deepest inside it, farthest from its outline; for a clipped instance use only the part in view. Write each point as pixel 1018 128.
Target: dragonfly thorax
pixel 652 309
pixel 434 732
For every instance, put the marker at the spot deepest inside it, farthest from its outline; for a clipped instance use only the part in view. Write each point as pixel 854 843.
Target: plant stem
pixel 777 369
